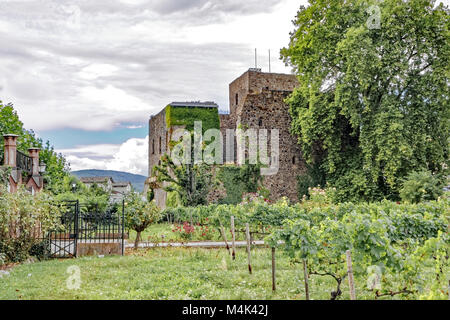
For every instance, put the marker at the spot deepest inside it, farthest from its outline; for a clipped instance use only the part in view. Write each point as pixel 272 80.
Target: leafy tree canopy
pixel 57 166
pixel 140 214
pixel 95 197
pixel 191 182
pixel 373 101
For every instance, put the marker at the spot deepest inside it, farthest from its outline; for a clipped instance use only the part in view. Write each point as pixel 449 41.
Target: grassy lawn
pixel 173 273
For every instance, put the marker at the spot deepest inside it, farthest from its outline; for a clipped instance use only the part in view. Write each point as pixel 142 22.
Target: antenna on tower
pixel 270 68
pixel 256 58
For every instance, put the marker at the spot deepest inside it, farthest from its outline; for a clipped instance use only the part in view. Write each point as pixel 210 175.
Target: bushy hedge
pixel 421 186
pixel 24 219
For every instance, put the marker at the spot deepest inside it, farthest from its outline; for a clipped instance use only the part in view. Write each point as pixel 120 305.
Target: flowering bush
pixel 186 231
pixel 205 232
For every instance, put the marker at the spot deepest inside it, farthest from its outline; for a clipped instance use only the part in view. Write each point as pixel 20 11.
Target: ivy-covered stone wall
pixel 186 116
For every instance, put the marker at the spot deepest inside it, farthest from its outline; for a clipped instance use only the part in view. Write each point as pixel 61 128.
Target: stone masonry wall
pixel 158 136
pixel 267 110
pixel 261 101
pixel 260 104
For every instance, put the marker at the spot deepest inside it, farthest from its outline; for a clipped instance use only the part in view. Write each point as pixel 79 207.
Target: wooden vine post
pixel 305 274
pixel 233 239
pixel 222 230
pixel 274 280
pixel 351 281
pixel 247 233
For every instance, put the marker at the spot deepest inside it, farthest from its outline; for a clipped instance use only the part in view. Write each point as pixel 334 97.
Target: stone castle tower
pixel 256 102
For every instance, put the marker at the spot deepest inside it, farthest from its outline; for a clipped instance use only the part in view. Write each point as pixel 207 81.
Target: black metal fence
pixel 24 162
pixel 83 224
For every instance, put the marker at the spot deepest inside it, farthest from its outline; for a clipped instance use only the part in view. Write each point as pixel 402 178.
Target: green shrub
pixel 314 177
pixel 173 200
pixel 229 175
pixel 140 214
pixel 41 250
pixel 238 180
pixel 24 219
pixel 304 183
pixel 421 186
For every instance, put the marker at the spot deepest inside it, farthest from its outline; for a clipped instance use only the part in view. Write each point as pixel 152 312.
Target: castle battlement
pixel 256 101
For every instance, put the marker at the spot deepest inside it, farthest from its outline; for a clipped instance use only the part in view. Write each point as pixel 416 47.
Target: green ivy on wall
pixel 186 116
pixel 229 175
pixel 238 180
pixel 172 200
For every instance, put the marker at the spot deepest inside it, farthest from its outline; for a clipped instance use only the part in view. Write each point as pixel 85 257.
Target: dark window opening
pixel 293 160
pixel 153 146
pixel 260 122
pixel 160 145
pixel 167 141
pixel 237 99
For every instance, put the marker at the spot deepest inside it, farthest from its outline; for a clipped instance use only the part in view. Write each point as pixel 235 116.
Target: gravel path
pixel 205 244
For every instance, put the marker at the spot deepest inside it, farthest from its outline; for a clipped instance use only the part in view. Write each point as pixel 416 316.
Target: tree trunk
pixel 138 238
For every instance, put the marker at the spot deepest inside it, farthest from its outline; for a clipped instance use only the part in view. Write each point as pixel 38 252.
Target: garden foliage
pixel 56 165
pixel 401 241
pixel 372 102
pixel 25 219
pixel 140 214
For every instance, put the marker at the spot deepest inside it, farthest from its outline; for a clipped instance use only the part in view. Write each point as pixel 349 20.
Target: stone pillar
pixel 34 155
pixel 10 150
pixel 35 182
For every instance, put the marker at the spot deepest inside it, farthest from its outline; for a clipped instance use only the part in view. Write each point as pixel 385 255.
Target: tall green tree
pixel 373 100
pixel 191 182
pixel 57 166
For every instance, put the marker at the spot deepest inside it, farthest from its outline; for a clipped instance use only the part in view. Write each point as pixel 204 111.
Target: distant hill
pixel 118 176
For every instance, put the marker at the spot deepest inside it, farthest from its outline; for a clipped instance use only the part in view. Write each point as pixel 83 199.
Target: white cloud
pixel 127 59
pixel 111 98
pixel 97 70
pixel 99 65
pixel 131 156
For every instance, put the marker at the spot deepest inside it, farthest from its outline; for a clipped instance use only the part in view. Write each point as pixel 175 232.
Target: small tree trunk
pixel 274 280
pixel 247 233
pixel 305 273
pixel 233 239
pixel 351 282
pixel 138 238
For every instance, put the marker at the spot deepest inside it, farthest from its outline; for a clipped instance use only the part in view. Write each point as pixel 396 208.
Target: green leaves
pixel 399 239
pixel 24 220
pixel 192 182
pixel 139 214
pixel 421 186
pixel 372 104
pixel 56 165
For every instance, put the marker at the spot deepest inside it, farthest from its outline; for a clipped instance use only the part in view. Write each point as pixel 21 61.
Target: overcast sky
pixel 88 74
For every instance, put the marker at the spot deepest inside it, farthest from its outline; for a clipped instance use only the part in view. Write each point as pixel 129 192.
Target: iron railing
pixel 82 224
pixel 24 162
